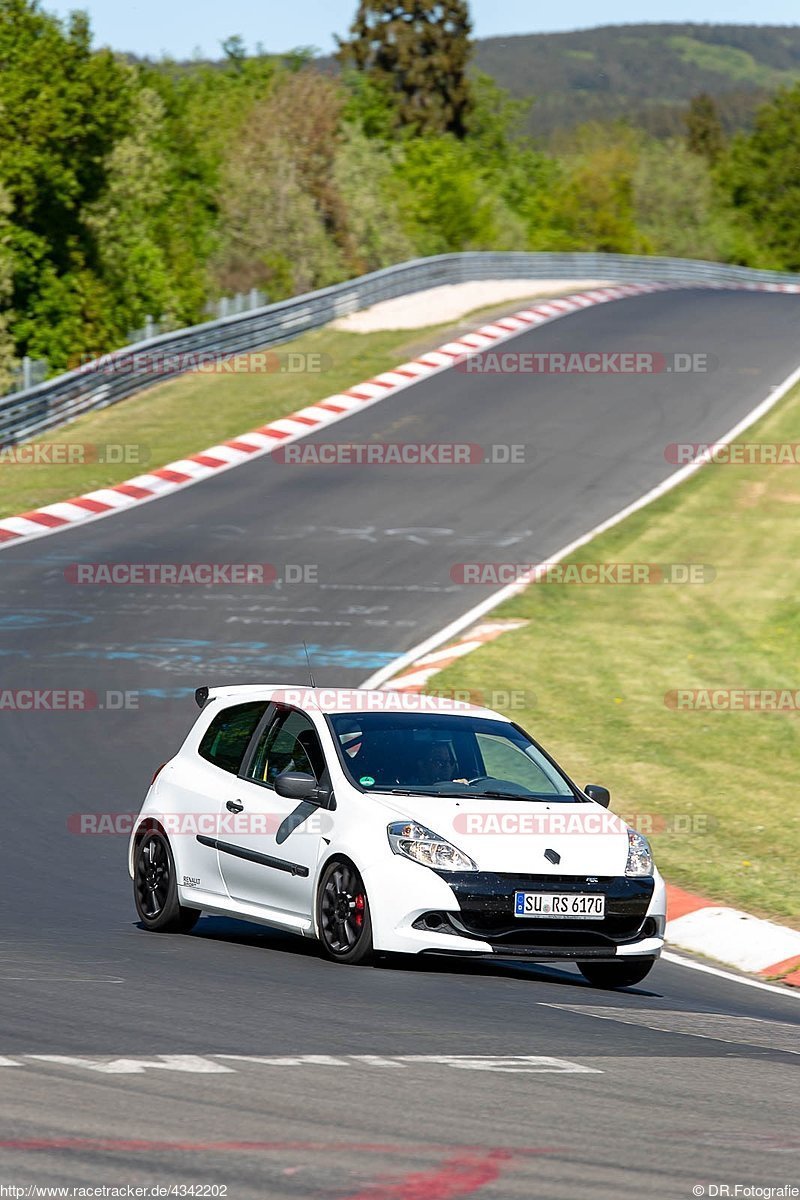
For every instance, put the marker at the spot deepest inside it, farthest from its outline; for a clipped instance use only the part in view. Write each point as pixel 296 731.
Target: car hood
pixel 512 835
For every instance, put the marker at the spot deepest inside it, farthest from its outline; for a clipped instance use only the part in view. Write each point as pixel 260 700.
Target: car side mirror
pixel 297 785
pixel 599 794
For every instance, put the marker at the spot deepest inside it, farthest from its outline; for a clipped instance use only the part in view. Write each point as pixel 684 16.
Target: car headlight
pixel 421 844
pixel 640 856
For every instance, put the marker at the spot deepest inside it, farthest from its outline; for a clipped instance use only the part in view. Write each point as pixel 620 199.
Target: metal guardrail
pixel 32 371
pixel 144 364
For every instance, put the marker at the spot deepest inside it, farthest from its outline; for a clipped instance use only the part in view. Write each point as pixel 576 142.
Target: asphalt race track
pixel 346 1083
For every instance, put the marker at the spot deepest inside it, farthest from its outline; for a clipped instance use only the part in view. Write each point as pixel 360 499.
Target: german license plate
pixel 578 906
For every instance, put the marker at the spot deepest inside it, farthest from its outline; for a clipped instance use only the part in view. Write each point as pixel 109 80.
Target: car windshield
pixel 442 755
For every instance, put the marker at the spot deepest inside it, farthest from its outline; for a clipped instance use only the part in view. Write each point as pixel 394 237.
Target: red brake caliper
pixel 359 912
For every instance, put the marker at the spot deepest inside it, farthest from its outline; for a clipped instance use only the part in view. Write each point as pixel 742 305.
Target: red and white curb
pixel 54 518
pixel 694 924
pixel 431 664
pixel 733 937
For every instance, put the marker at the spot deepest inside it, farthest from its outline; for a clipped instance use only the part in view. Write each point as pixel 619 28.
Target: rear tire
pixel 616 974
pixel 343 917
pixel 155 887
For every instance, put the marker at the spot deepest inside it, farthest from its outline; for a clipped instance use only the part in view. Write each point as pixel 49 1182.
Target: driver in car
pixel 440 765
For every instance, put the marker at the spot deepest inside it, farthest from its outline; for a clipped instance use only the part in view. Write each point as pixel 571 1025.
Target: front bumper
pixel 473 915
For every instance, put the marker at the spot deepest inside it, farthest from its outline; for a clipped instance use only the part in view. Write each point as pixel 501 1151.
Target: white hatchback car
pixel 380 821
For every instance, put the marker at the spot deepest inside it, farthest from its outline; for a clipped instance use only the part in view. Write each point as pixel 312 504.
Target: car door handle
pixel 235 806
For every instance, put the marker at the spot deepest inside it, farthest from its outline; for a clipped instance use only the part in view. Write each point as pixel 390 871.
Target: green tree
pixel 676 205
pixel 420 51
pixel 704 134
pixel 63 108
pixel 591 203
pixel 370 105
pixel 496 121
pixel 761 179
pixel 206 106
pixel 284 222
pixel 139 226
pixel 447 203
pixel 7 358
pixel 235 50
pixel 364 175
pixel 511 165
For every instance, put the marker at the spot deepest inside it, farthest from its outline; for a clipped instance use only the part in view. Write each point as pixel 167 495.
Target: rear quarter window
pixel 225 741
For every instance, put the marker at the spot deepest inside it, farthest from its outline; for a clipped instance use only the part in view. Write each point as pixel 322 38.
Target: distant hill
pixel 646 73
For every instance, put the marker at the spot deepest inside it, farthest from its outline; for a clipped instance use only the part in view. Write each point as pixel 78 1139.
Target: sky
pixel 182 27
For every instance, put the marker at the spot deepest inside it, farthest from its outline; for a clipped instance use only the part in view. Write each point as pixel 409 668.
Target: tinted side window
pixel 289 744
pixel 228 735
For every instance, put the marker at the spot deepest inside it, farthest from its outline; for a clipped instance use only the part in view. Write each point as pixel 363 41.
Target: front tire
pixel 616 974
pixel 343 916
pixel 155 887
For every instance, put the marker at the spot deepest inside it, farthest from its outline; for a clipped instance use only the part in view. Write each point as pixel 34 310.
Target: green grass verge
pixel 197 410
pixel 596 662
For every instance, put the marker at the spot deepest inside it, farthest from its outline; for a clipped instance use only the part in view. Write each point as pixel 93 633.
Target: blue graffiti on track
pixel 191 654
pixel 12 621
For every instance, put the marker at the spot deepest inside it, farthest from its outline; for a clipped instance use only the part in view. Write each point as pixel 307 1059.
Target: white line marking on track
pixel 57 979
pixel 519 1064
pixel 680 961
pixel 191 1063
pixel 375 1060
pixel 288 1060
pixel 511 1064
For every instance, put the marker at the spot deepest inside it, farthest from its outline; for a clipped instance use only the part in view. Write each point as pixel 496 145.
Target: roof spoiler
pixel 239 691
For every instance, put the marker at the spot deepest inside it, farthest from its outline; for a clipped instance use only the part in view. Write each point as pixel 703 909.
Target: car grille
pixel 486 909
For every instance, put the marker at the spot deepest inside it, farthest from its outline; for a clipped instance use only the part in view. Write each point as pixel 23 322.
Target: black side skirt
pixel 263 860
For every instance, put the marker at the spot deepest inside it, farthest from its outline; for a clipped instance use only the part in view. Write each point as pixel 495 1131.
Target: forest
pixel 133 189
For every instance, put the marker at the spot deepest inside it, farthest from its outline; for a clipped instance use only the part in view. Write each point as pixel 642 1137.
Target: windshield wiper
pixel 468 795
pixel 445 795
pixel 519 796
